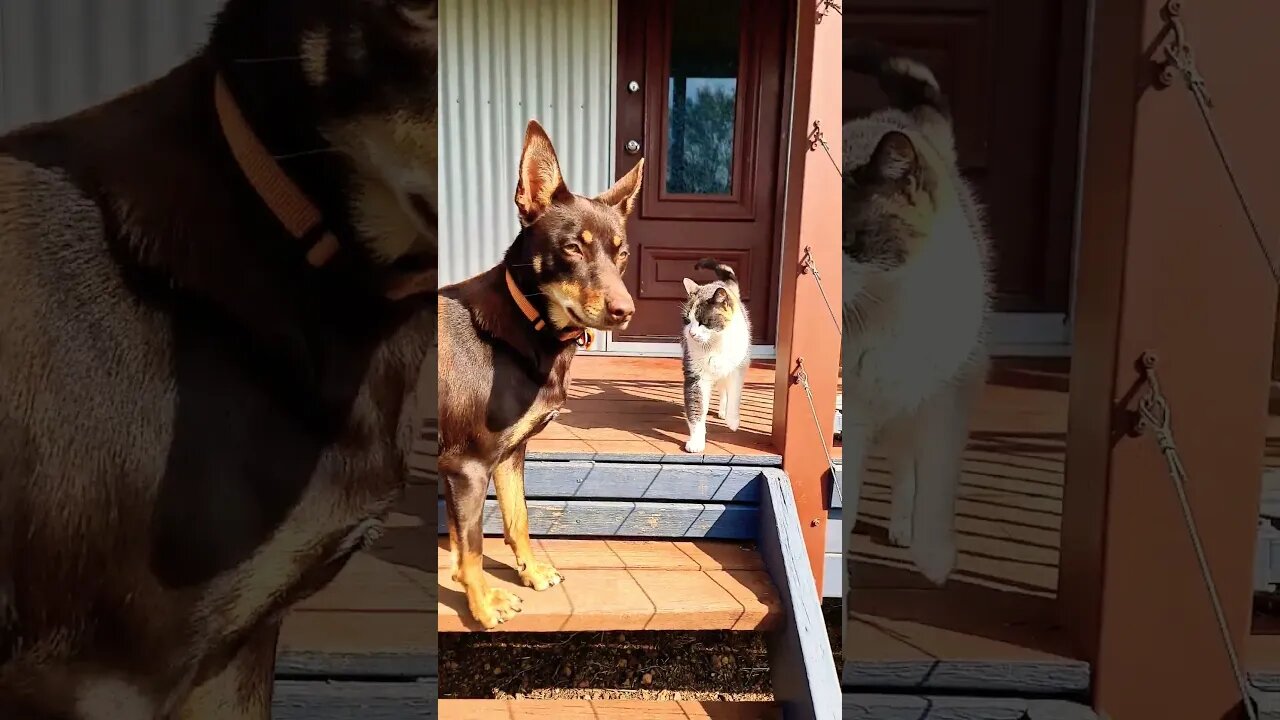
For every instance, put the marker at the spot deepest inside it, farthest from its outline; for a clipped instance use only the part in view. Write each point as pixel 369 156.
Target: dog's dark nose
pixel 621 309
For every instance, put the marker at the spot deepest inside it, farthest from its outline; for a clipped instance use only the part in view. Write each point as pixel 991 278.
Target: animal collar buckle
pixel 299 216
pixel 585 337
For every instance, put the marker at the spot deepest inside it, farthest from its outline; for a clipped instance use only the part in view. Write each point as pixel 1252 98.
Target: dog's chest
pixel 544 411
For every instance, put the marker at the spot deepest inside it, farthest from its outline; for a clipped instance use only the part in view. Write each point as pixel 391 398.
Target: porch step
pixel 606 710
pixel 626 585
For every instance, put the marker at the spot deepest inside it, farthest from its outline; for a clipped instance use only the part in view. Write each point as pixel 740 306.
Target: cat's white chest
pixel 716 355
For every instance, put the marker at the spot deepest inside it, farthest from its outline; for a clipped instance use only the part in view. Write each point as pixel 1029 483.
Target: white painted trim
pixel 1031 335
pixel 605 341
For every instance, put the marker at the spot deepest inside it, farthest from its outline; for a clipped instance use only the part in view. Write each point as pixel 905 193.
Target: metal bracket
pixel 815 137
pixel 1138 425
pixel 825 6
pixel 799 376
pixel 806 260
pixel 1179 57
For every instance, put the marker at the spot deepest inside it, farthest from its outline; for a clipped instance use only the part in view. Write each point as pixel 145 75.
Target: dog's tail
pixel 724 273
pixel 909 84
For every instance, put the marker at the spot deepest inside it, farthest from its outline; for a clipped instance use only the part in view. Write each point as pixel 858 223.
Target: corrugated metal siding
pixel 503 62
pixel 59 56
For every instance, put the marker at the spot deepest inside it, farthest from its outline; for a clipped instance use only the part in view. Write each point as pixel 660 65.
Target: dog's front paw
pixel 540 576
pixel 495 607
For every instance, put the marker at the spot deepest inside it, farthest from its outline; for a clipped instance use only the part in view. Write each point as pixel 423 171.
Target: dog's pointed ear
pixel 539 182
pixel 690 286
pixel 622 196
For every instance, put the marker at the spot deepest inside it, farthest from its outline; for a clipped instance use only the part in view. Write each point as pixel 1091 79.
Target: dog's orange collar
pixel 584 336
pixel 299 216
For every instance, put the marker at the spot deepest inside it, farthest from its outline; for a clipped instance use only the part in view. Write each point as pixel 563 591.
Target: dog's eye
pixel 572 248
pixel 622 256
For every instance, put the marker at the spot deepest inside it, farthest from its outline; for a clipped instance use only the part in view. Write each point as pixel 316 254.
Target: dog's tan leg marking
pixel 241 690
pixel 508 480
pixel 453 551
pixel 315 57
pixel 109 698
pixel 489 606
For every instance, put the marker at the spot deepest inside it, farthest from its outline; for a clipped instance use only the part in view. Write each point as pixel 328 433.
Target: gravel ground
pixel 615 665
pixel 606 666
pixel 831 609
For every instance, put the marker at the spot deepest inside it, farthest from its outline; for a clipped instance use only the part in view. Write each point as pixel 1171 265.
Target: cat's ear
pixel 690 286
pixel 895 157
pixel 721 296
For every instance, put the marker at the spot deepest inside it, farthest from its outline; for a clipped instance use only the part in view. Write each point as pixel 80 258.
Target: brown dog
pixel 213 325
pixel 506 339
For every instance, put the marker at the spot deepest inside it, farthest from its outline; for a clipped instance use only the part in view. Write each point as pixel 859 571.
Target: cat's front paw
pixel 697 438
pixel 900 532
pixel 935 559
pixel 900 525
pixel 732 422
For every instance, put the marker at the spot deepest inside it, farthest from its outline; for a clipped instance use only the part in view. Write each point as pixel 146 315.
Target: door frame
pixel 605 344
pixel 1020 334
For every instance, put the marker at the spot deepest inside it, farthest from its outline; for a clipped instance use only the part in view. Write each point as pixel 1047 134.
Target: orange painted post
pixel 806 332
pixel 1168 265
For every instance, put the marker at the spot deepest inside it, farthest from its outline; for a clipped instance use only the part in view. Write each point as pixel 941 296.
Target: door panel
pixel 1012 71
pixel 706 111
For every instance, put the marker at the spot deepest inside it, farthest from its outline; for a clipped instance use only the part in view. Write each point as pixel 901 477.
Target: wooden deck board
pixel 381 607
pixel 626 585
pixel 994 625
pixel 606 710
pixel 997 617
pixel 634 407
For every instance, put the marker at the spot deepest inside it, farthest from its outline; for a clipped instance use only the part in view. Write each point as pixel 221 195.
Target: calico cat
pixel 716 346
pixel 916 305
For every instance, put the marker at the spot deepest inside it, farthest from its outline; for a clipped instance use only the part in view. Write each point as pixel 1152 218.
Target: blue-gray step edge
pixel 588 498
pixel 294 665
pixel 346 699
pixel 1040 678
pixel 1266 698
pixel 878 706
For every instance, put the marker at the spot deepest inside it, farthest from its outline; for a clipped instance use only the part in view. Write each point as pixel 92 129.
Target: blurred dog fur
pixel 217 294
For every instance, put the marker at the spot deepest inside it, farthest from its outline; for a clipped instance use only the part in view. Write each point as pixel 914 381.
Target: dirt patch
pixel 663 665
pixel 832 610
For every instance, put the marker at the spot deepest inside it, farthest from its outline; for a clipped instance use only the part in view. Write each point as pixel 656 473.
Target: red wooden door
pixel 1012 70
pixel 700 97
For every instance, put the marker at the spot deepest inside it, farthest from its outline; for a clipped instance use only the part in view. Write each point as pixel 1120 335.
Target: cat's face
pixel 709 309
pixel 890 206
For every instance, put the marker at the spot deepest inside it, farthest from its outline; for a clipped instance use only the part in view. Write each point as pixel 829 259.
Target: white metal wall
pixel 59 56
pixel 502 63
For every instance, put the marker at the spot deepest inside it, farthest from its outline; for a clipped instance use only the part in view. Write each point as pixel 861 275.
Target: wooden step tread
pixel 605 710
pixel 381 606
pixel 625 585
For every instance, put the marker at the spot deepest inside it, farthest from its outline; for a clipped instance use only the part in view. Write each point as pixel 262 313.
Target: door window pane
pixel 702 94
